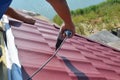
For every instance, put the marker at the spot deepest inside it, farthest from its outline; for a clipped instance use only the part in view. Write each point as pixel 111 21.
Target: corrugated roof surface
pixel 79 58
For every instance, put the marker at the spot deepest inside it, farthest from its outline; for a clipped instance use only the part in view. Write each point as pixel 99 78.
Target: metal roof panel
pixel 78 59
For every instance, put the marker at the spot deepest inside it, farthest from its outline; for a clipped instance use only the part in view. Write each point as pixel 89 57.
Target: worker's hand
pixel 29 20
pixel 69 27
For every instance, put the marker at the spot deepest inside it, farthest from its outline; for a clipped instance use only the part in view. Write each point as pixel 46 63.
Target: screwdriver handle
pixel 60 39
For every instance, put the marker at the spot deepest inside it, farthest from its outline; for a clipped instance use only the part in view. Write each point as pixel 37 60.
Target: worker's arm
pixel 12 13
pixel 63 11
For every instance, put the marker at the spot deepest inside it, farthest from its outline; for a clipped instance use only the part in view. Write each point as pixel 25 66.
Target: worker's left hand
pixel 29 20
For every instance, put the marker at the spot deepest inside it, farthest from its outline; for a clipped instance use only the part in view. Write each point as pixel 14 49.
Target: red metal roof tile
pixel 109 74
pixel 99 63
pixel 78 59
pixel 53 74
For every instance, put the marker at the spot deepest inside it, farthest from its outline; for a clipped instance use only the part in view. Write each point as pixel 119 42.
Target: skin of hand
pixel 12 13
pixel 63 11
pixel 29 20
pixel 69 27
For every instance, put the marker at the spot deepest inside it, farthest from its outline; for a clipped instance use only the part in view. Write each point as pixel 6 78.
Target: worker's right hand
pixel 69 26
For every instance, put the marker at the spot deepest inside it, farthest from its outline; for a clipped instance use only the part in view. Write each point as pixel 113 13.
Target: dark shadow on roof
pixel 80 75
pixel 25 75
pixel 15 23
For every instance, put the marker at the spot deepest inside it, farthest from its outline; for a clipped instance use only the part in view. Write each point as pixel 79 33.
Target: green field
pixel 92 19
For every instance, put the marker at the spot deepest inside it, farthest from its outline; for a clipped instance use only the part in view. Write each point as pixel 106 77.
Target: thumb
pixel 62 30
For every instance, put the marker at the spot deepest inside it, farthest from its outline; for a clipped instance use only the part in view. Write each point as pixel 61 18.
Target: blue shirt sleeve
pixel 4 4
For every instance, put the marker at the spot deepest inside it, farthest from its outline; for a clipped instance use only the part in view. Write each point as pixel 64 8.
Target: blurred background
pixel 44 8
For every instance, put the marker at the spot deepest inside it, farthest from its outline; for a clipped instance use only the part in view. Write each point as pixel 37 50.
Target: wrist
pixel 70 24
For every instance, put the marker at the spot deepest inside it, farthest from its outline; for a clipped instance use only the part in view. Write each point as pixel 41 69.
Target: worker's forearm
pixel 12 13
pixel 62 9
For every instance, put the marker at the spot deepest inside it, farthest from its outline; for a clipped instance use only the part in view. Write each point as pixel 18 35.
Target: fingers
pixel 69 28
pixel 30 21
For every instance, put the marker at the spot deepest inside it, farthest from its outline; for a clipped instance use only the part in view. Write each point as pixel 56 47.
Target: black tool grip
pixel 60 39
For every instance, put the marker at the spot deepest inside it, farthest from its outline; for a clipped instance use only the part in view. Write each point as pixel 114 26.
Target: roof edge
pixel 114 49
